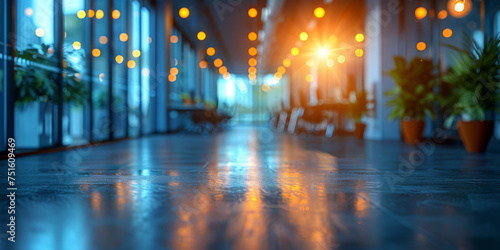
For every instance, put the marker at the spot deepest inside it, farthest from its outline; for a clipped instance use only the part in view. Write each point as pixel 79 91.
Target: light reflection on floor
pixel 235 190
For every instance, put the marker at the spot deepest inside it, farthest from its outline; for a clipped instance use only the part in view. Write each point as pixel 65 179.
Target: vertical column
pixel 381 39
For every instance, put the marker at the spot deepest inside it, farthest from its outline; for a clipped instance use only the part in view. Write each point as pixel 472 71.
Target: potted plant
pixel 36 90
pixel 357 109
pixel 413 97
pixel 475 78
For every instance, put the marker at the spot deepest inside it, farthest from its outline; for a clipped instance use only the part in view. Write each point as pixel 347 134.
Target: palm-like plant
pixel 413 97
pixel 475 79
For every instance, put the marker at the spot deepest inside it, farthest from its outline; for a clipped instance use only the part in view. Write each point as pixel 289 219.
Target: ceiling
pixel 227 25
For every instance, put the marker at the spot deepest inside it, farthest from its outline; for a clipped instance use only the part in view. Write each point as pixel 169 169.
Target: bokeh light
pixel 421 46
pixel 210 51
pixel 252 12
pixel 420 13
pixel 303 36
pixel 252 36
pixel 319 12
pixel 184 12
pixel 201 36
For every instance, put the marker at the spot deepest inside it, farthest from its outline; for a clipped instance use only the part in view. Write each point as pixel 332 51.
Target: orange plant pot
pixel 413 131
pixel 475 134
pixel 359 130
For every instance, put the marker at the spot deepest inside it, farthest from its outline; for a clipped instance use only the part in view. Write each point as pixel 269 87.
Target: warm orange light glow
pixel 39 32
pixel 174 39
pixel 119 59
pixel 131 64
pixel 252 76
pixel 319 12
pixel 420 13
pixel 252 12
pixel 222 70
pixel 421 46
pixel 203 64
pixel 184 12
pixel 91 13
pixel 341 59
pixel 252 62
pixel 115 14
pixel 287 62
pixel 303 36
pixel 358 52
pixel 309 78
pixel 442 14
pixel 252 51
pixel 136 53
pixel 252 70
pixel 218 62
pixel 99 14
pixel 103 40
pixel 278 75
pixel 77 45
pixel 174 71
pixel 459 6
pixel 323 52
pixel 281 70
pixel 226 76
pixel 447 33
pixel 360 37
pixel 294 51
pixel 252 36
pixel 96 52
pixel 123 37
pixel 172 78
pixel 201 35
pixel 330 63
pixel 80 14
pixel 210 51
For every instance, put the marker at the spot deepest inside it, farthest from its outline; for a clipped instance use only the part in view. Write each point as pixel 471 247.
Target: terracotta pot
pixel 475 134
pixel 413 131
pixel 359 130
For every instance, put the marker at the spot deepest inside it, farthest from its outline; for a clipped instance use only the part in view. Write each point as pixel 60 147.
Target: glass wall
pixel 134 86
pixel 76 44
pixel 120 56
pixel 36 73
pixel 148 89
pixel 100 75
pixel 85 72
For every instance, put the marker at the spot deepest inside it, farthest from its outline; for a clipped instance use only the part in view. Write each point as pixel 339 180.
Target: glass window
pixel 134 67
pixel 148 85
pixel 76 44
pixel 120 38
pixel 35 74
pixel 100 74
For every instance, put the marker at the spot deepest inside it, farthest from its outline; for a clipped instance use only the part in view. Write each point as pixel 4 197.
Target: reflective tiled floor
pixel 248 188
